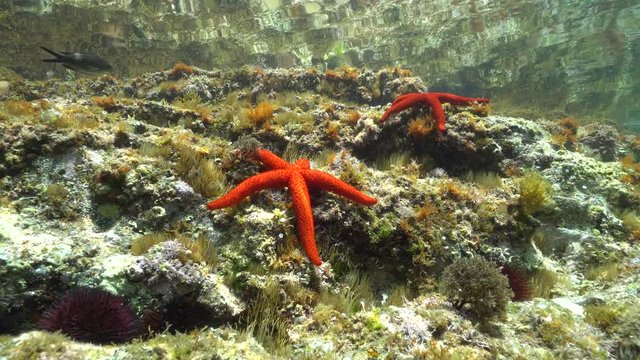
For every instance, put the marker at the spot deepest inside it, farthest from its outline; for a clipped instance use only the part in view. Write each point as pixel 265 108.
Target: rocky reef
pixel 501 237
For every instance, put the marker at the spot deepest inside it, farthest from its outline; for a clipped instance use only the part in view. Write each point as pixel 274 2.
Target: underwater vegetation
pixel 566 135
pixel 198 250
pixel 260 115
pixel 264 321
pixel 490 239
pixel 477 286
pixel 196 168
pixel 535 192
pixel 180 70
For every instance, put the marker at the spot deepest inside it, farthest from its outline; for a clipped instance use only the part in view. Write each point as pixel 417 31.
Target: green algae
pixel 270 330
pixel 355 294
pixel 383 228
pixel 476 285
pixel 535 192
pixel 36 345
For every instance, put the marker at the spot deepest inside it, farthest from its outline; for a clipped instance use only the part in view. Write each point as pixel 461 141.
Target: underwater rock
pixel 37 265
pixel 169 275
pixel 602 139
pixel 223 304
pixel 166 272
pixel 22 144
pixel 410 325
pixel 136 173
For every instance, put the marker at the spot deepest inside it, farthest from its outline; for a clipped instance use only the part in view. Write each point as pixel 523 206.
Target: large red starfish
pixel 433 99
pixel 296 176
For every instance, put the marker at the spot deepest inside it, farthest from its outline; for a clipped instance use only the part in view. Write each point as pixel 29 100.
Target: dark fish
pixel 84 63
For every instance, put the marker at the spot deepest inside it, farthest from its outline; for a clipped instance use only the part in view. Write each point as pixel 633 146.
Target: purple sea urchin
pixel 92 315
pixel 518 282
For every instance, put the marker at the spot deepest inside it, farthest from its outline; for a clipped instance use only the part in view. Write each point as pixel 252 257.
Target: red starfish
pixel 296 176
pixel 432 99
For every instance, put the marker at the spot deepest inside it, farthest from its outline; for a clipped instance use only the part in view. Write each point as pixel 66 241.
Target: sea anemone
pixel 92 315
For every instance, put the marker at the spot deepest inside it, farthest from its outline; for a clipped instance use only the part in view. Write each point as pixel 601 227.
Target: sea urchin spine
pixel 518 282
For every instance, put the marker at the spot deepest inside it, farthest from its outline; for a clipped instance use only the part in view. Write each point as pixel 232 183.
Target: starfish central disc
pixel 298 177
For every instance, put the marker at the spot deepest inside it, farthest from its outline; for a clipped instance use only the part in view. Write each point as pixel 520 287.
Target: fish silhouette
pixel 84 63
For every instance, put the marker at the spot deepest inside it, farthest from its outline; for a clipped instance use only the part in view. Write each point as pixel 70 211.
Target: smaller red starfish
pixel 296 176
pixel 432 99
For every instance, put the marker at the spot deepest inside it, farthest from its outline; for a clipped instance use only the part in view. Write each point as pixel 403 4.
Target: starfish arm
pixel 270 159
pixel 456 99
pixel 403 104
pixel 324 181
pixel 250 186
pixel 437 113
pixel 404 96
pixel 304 214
